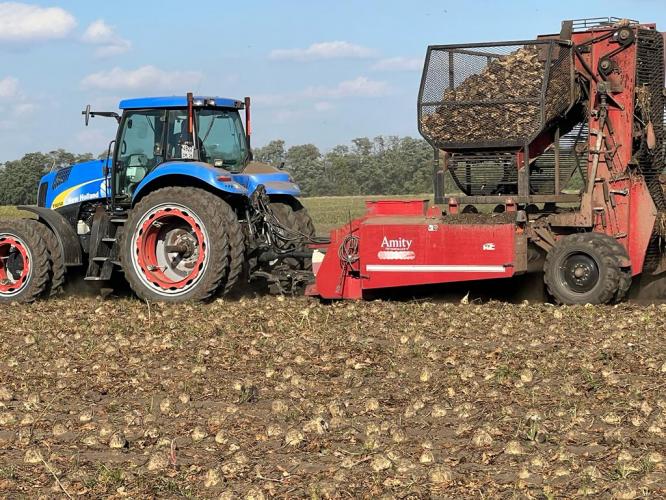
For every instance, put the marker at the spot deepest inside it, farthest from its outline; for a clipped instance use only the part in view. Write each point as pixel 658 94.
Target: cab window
pixel 139 148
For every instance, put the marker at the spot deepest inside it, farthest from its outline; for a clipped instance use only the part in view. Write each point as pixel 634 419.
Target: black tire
pixel 58 269
pixel 305 226
pixel 37 280
pixel 285 214
pixel 213 215
pixel 620 253
pixel 597 257
pixel 236 249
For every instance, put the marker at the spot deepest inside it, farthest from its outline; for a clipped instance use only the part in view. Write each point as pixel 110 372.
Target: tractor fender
pixel 64 232
pixel 200 172
pixel 277 182
pixel 282 187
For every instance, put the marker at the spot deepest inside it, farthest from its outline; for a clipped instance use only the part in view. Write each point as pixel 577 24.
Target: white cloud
pixel 399 64
pixel 14 100
pixel 322 50
pixel 9 87
pixel 21 22
pixel 108 42
pixel 25 108
pixel 323 106
pixel 143 78
pixel 358 87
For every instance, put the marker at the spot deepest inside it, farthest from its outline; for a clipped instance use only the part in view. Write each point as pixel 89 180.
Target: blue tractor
pixel 178 206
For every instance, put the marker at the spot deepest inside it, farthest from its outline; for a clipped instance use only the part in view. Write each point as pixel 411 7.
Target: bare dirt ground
pixel 272 397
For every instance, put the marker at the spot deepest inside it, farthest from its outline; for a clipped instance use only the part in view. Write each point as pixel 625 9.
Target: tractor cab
pixel 155 131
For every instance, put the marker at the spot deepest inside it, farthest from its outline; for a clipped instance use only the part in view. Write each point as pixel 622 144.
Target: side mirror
pixel 86 113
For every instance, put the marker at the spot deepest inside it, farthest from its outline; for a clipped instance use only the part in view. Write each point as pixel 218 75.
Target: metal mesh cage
pixel 650 105
pixel 493 95
pixel 496 172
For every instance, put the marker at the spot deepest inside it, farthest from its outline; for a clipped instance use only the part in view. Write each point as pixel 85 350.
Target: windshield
pixel 220 134
pixel 222 138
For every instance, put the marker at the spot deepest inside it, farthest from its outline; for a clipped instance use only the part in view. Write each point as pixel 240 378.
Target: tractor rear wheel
pixel 180 244
pixel 284 213
pixel 305 226
pixel 293 215
pixel 25 267
pixel 586 268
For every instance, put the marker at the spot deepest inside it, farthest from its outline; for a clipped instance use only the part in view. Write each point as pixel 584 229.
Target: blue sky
pixel 319 72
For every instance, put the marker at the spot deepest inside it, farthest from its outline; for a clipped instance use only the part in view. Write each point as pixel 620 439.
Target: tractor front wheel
pixel 181 244
pixel 586 268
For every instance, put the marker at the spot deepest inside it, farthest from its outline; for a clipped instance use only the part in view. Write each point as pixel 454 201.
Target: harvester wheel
pixel 621 253
pixel 57 258
pixel 25 267
pixel 177 246
pixel 586 268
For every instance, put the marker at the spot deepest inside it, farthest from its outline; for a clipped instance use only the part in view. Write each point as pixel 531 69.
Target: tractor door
pixel 140 148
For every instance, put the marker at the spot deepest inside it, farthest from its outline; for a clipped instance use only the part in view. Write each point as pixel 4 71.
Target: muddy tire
pixel 236 258
pixel 58 269
pixel 285 214
pixel 586 268
pixel 305 226
pixel 301 222
pixel 25 266
pixel 177 246
pixel 621 253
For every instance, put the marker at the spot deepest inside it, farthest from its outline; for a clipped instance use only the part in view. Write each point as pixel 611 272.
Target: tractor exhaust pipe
pixel 190 115
pixel 248 125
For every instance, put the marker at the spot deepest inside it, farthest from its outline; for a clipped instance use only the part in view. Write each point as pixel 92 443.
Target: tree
pixel 304 163
pixel 19 179
pixel 273 152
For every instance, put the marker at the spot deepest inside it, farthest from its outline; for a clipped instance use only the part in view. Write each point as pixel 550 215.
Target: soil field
pixel 289 398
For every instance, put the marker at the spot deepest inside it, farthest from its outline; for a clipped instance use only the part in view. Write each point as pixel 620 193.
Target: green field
pixel 9 212
pixel 327 212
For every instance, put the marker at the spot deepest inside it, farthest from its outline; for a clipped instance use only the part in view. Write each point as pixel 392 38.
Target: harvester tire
pixel 22 236
pixel 586 268
pixel 189 217
pixel 58 269
pixel 621 253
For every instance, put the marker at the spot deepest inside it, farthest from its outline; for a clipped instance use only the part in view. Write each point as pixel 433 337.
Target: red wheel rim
pixel 13 279
pixel 165 229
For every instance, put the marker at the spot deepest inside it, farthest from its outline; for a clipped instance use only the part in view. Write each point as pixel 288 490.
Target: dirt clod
pixel 158 461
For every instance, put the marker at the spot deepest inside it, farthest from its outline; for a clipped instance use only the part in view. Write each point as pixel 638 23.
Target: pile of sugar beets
pixel 468 114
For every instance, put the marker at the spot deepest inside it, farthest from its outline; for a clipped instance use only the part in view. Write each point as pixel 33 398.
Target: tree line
pixel 19 179
pixel 383 165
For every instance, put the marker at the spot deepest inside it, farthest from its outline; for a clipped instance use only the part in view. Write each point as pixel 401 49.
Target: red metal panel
pixel 335 279
pixel 642 215
pixel 397 207
pixel 418 251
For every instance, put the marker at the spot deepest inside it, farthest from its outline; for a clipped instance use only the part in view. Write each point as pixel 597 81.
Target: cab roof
pixel 176 101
